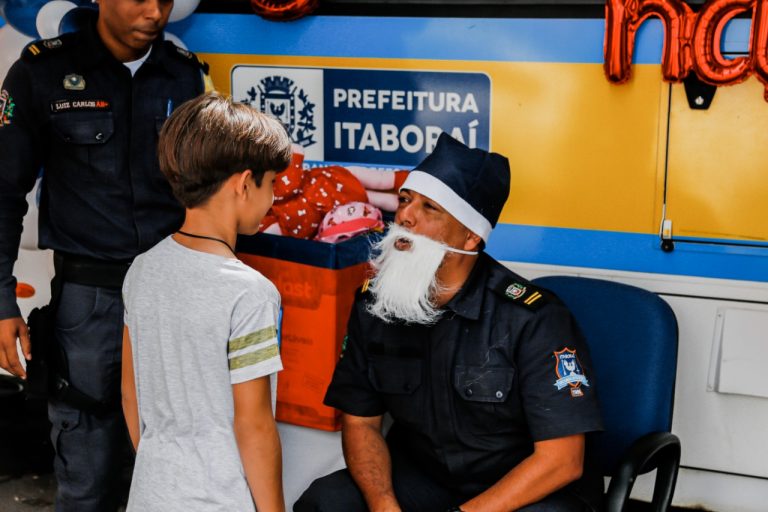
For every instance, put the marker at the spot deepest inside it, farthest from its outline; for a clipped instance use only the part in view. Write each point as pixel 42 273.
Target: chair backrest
pixel 632 337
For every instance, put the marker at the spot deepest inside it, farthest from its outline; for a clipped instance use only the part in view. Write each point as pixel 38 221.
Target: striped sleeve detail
pixel 251 339
pixel 254 355
pixel 253 358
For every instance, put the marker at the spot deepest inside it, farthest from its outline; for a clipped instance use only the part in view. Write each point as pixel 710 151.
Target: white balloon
pixel 11 43
pixel 175 40
pixel 29 230
pixel 49 17
pixel 182 9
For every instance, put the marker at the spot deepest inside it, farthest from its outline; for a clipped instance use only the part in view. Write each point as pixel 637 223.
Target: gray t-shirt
pixel 199 323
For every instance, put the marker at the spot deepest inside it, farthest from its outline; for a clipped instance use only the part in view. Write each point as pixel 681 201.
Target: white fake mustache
pixel 405 282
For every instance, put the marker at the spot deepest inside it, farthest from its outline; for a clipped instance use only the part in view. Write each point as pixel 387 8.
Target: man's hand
pixel 12 329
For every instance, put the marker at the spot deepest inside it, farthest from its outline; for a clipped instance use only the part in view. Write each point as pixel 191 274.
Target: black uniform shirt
pixel 505 366
pixel 70 108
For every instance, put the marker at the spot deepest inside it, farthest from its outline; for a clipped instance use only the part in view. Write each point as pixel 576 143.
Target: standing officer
pixel 86 108
pixel 486 376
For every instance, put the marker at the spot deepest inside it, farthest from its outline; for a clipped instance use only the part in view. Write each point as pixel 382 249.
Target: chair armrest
pixel 657 450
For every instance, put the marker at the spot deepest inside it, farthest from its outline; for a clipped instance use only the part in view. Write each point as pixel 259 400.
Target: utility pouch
pixel 41 323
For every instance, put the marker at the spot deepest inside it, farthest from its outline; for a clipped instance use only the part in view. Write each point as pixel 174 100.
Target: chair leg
pixel 666 477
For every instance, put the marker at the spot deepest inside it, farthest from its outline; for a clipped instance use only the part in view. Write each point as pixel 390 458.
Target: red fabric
pixel 326 187
pixel 288 181
pixel 303 197
pixel 297 218
pixel 269 219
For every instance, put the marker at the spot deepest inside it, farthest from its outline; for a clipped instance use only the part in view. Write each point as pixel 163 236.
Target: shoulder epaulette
pixel 523 293
pixel 363 293
pixel 189 56
pixel 43 47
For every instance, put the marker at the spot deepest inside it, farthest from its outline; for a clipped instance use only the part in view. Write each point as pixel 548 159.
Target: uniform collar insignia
pixel 515 291
pixel 52 43
pixel 73 82
pixel 185 53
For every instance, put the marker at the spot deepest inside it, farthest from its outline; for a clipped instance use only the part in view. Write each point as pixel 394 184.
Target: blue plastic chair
pixel 632 337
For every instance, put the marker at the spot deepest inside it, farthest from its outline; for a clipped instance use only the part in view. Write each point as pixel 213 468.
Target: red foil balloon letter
pixel 624 17
pixel 283 10
pixel 759 43
pixel 708 60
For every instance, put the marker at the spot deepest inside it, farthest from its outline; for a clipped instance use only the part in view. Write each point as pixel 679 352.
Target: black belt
pixel 87 271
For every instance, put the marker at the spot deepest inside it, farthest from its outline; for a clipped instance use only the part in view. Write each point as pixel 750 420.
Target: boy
pixel 200 350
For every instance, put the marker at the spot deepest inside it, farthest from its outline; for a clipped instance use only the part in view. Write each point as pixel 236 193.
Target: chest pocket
pixel 484 402
pixel 84 143
pixel 398 379
pixel 394 375
pixel 481 384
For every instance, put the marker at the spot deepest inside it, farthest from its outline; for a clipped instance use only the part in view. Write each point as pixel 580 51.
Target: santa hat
pixel 471 184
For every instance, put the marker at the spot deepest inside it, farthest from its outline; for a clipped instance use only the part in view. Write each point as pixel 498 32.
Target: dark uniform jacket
pixel 505 366
pixel 70 109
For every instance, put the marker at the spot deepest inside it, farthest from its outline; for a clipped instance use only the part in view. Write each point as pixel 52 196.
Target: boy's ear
pixel 243 181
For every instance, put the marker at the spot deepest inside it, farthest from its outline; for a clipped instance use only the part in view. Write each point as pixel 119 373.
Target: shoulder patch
pixel 6 108
pixel 569 372
pixel 43 47
pixel 523 293
pixel 189 56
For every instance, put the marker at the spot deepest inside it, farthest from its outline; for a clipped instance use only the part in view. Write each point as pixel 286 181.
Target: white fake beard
pixel 406 282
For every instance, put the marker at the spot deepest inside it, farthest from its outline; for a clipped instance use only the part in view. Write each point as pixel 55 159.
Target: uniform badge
pixel 185 53
pixel 344 346
pixel 66 105
pixel 533 298
pixel 569 372
pixel 515 291
pixel 52 43
pixel 73 82
pixel 6 108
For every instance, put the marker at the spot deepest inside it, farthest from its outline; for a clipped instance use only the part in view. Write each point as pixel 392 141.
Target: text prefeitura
pixel 411 138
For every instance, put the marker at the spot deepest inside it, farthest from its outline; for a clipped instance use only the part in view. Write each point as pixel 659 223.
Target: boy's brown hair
pixel 209 138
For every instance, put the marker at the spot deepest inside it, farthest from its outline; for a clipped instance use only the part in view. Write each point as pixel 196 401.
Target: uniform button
pixel 65 424
pixel 499 394
pixel 468 391
pixel 99 136
pixel 406 387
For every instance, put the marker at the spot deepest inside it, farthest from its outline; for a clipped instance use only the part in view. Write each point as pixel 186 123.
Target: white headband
pixel 433 188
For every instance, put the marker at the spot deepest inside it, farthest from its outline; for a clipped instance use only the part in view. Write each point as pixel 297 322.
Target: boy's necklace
pixel 191 235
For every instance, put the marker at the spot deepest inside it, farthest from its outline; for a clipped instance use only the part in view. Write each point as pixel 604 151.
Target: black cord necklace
pixel 207 238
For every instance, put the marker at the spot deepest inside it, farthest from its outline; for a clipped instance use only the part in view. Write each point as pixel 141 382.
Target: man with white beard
pixel 486 376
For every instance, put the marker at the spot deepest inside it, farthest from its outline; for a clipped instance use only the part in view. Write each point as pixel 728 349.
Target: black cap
pixel 471 184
